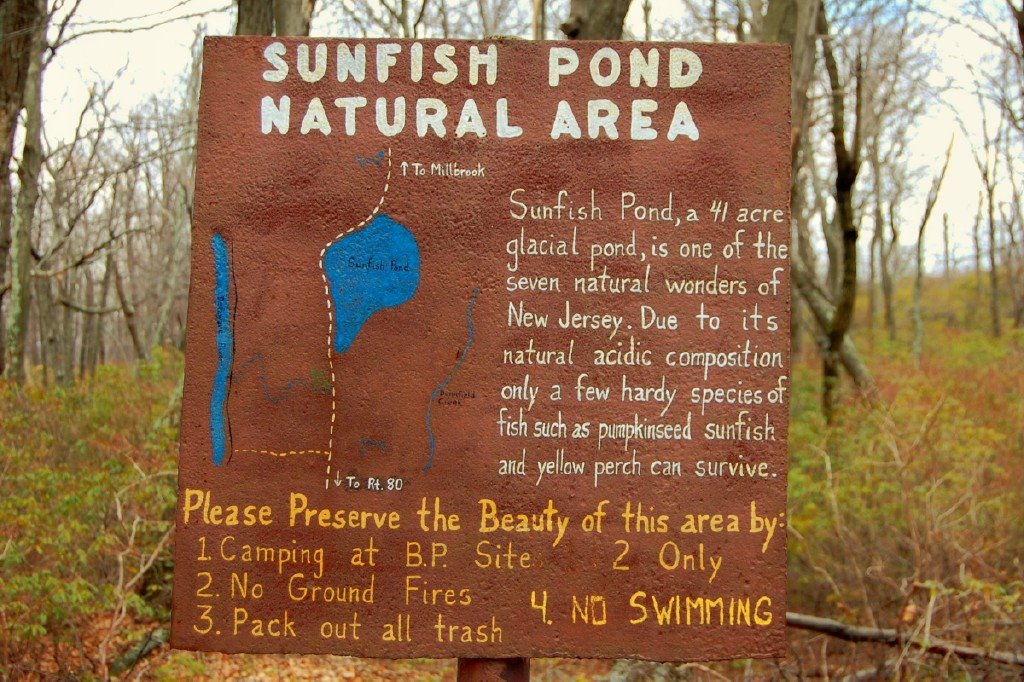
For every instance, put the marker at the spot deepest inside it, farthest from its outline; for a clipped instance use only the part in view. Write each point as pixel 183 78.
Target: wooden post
pixel 494 670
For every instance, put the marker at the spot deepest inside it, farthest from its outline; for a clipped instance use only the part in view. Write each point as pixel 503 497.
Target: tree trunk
pixel 69 334
pixel 6 218
pixel 88 324
pixel 262 17
pixel 791 22
pixel 539 19
pixel 798 210
pixel 164 313
pixel 128 309
pixel 797 23
pixel 98 353
pixel 823 312
pixel 877 248
pixel 915 306
pixel 873 259
pixel 487 22
pixel 993 274
pixel 976 242
pixel 293 17
pixel 780 22
pixel 49 331
pixel 947 269
pixel 16 323
pixel 40 348
pixel 595 19
pixel 17 20
pixel 446 31
pixel 255 18
pixel 888 250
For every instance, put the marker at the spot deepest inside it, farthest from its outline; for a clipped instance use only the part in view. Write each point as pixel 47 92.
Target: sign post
pixel 493 669
pixel 488 352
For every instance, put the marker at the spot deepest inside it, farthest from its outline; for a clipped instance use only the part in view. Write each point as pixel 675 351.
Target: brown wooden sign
pixel 487 351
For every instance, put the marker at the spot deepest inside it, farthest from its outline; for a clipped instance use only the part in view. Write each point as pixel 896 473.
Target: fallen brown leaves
pixel 168 664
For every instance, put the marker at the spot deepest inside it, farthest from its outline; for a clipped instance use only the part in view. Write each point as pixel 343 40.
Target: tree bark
pixel 128 309
pixel 270 17
pixel 16 323
pixel 88 324
pixel 780 22
pixel 17 22
pixel 488 24
pixel 293 17
pixel 885 260
pixel 872 312
pixel 18 19
pixel 878 261
pixel 97 352
pixel 993 248
pixel 539 19
pixel 70 333
pixel 823 312
pixel 48 324
pixel 255 18
pixel 976 243
pixel 595 19
pixel 947 268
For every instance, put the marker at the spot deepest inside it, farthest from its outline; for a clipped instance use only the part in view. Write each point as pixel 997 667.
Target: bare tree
pixel 848 161
pixel 933 196
pixel 986 158
pixel 999 88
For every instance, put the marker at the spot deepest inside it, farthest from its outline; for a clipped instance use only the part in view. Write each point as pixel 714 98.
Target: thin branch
pixel 88 310
pixel 419 18
pixel 138 17
pixel 158 24
pixel 86 257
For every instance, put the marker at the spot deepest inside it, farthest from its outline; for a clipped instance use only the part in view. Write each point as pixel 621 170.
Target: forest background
pixel 907 434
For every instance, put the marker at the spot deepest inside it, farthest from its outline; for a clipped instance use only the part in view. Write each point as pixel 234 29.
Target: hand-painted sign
pixel 487 351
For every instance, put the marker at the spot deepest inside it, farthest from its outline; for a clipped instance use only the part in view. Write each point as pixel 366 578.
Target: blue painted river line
pixel 225 347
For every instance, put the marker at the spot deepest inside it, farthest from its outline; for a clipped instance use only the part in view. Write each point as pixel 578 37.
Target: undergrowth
pixel 87 492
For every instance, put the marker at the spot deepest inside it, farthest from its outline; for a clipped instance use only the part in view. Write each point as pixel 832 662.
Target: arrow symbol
pixel 405 166
pixel 337 479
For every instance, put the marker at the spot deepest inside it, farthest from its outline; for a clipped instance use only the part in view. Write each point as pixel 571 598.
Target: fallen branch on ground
pixel 154 639
pixel 856 633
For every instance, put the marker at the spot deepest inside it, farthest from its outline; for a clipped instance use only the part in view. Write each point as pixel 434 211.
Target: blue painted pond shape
pixel 368 270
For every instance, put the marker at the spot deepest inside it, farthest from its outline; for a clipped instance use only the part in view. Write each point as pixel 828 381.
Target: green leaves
pixel 84 490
